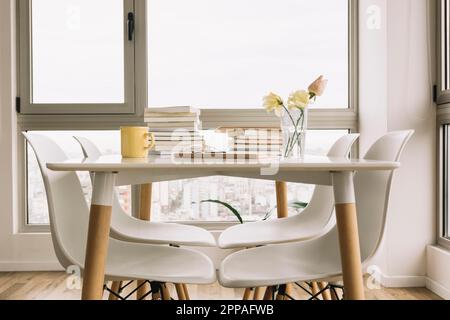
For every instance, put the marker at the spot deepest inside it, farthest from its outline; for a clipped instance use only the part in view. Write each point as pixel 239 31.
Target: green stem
pixel 292 142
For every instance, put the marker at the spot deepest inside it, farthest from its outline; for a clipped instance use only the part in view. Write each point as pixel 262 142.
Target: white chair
pixel 319 259
pixel 69 215
pixel 317 217
pixel 127 228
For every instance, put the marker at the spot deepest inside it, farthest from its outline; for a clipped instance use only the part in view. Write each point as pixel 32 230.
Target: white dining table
pixel 111 171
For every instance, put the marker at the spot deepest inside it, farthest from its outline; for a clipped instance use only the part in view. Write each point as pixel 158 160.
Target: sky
pixel 202 53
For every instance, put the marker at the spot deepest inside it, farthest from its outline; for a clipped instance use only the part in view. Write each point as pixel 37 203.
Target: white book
pixel 179 143
pixel 174 114
pixel 220 155
pixel 258 142
pixel 179 139
pixel 175 125
pixel 176 133
pixel 171 120
pixel 175 109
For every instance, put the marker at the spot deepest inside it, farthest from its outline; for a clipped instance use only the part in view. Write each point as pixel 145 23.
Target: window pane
pixel 446 188
pixel 107 141
pixel 180 200
pixel 77 51
pixel 229 53
pixel 254 199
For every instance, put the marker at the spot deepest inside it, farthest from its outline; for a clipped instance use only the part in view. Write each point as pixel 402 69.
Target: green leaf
pixel 228 206
pixel 269 214
pixel 299 205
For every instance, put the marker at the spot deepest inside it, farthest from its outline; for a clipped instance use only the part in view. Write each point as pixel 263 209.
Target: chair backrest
pixel 321 205
pixel 89 149
pixel 372 191
pixel 68 210
pixel 118 217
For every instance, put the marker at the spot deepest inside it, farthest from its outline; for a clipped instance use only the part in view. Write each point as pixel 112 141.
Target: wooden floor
pixel 54 286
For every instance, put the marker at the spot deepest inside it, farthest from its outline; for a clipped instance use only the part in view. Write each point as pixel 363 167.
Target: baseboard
pixel 403 281
pixel 438 289
pixel 29 266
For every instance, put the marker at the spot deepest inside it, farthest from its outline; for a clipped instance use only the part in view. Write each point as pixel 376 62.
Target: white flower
pixel 273 103
pixel 299 100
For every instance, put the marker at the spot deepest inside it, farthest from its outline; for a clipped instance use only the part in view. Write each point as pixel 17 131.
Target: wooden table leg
pixel 282 200
pixel 347 224
pixel 98 236
pixel 283 210
pixel 145 209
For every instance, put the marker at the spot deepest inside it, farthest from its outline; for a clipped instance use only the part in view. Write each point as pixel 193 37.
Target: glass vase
pixel 294 124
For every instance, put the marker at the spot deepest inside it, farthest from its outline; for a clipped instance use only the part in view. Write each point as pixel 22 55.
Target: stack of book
pixel 177 141
pixel 167 118
pixel 267 142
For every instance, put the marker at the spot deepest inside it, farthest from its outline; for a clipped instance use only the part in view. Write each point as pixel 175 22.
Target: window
pixel 248 48
pixel 76 57
pixel 446 179
pixel 82 72
pixel 36 201
pixel 443 101
pixel 444 50
pixel 178 200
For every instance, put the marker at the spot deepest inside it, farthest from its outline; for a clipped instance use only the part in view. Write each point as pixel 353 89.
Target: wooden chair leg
pixel 334 295
pixel 180 291
pixel 165 292
pixel 115 287
pixel 247 294
pixel 143 289
pixel 283 291
pixel 259 293
pixel 269 294
pixel 326 295
pixel 315 289
pixel 186 292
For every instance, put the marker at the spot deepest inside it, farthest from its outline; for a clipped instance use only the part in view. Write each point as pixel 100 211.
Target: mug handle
pixel 152 141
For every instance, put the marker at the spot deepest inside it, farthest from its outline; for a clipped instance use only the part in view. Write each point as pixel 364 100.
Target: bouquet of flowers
pixel 294 115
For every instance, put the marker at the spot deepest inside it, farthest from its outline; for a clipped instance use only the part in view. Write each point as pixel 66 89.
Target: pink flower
pixel 317 88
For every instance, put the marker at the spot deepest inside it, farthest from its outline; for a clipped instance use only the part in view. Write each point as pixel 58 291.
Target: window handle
pixel 131 26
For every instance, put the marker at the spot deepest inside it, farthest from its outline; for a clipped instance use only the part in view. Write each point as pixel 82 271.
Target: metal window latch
pixel 131 26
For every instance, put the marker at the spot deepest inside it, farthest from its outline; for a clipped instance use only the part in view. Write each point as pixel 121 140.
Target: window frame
pixel 132 76
pixel 443 52
pixel 443 120
pixel 329 119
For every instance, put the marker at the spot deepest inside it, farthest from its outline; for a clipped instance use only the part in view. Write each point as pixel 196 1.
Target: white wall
pixel 396 94
pixel 17 251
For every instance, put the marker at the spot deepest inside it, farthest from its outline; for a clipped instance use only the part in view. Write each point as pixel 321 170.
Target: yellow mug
pixel 136 142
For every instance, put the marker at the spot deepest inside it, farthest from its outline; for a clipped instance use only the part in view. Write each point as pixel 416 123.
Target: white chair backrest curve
pixel 372 190
pixel 321 205
pixel 89 149
pixel 119 217
pixel 68 210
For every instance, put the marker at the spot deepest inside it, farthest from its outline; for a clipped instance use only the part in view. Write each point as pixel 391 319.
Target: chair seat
pixel 134 261
pixel 135 230
pixel 277 231
pixel 280 264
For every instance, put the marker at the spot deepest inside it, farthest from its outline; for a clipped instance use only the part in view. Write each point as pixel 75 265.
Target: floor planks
pixel 53 286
